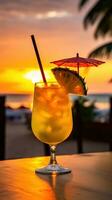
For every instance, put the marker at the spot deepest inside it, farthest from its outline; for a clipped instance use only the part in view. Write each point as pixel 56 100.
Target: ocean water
pixel 16 100
pixel 102 105
pixel 101 101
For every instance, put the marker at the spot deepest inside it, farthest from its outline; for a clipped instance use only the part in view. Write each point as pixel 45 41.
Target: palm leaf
pixel 97 12
pixel 105 25
pixel 104 50
pixel 82 3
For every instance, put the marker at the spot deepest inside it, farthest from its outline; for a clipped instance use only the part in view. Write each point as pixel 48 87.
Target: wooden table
pixel 91 179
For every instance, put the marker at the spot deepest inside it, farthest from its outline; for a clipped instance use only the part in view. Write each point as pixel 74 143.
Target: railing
pixel 93 130
pixel 2 127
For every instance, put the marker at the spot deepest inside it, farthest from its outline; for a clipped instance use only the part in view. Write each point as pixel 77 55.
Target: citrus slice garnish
pixel 70 80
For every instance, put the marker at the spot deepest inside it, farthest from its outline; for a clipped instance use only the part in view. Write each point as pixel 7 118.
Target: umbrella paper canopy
pixel 78 62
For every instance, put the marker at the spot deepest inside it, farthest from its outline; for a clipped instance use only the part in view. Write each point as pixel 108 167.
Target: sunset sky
pixel 59 32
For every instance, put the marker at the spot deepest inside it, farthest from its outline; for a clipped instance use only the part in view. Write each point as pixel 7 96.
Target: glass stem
pixel 53 155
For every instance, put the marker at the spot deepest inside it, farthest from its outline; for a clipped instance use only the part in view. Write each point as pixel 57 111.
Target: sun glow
pixel 35 76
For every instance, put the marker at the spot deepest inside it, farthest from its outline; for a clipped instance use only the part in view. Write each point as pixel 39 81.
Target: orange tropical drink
pixel 51 114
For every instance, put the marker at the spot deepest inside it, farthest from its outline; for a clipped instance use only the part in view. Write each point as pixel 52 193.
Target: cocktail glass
pixel 51 121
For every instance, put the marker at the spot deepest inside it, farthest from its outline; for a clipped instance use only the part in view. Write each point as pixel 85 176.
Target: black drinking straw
pixel 38 59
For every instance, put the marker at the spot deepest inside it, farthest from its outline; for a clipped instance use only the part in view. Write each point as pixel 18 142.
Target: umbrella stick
pixel 78 68
pixel 38 58
pixel 78 64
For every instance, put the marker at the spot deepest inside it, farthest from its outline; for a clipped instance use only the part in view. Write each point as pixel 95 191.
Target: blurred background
pixel 61 29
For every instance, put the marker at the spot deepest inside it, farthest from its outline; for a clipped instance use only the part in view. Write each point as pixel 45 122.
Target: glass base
pixel 53 169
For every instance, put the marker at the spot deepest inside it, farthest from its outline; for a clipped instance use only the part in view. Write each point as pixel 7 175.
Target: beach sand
pixel 21 143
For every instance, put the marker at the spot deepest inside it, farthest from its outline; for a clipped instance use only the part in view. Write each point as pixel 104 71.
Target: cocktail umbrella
pixel 78 62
